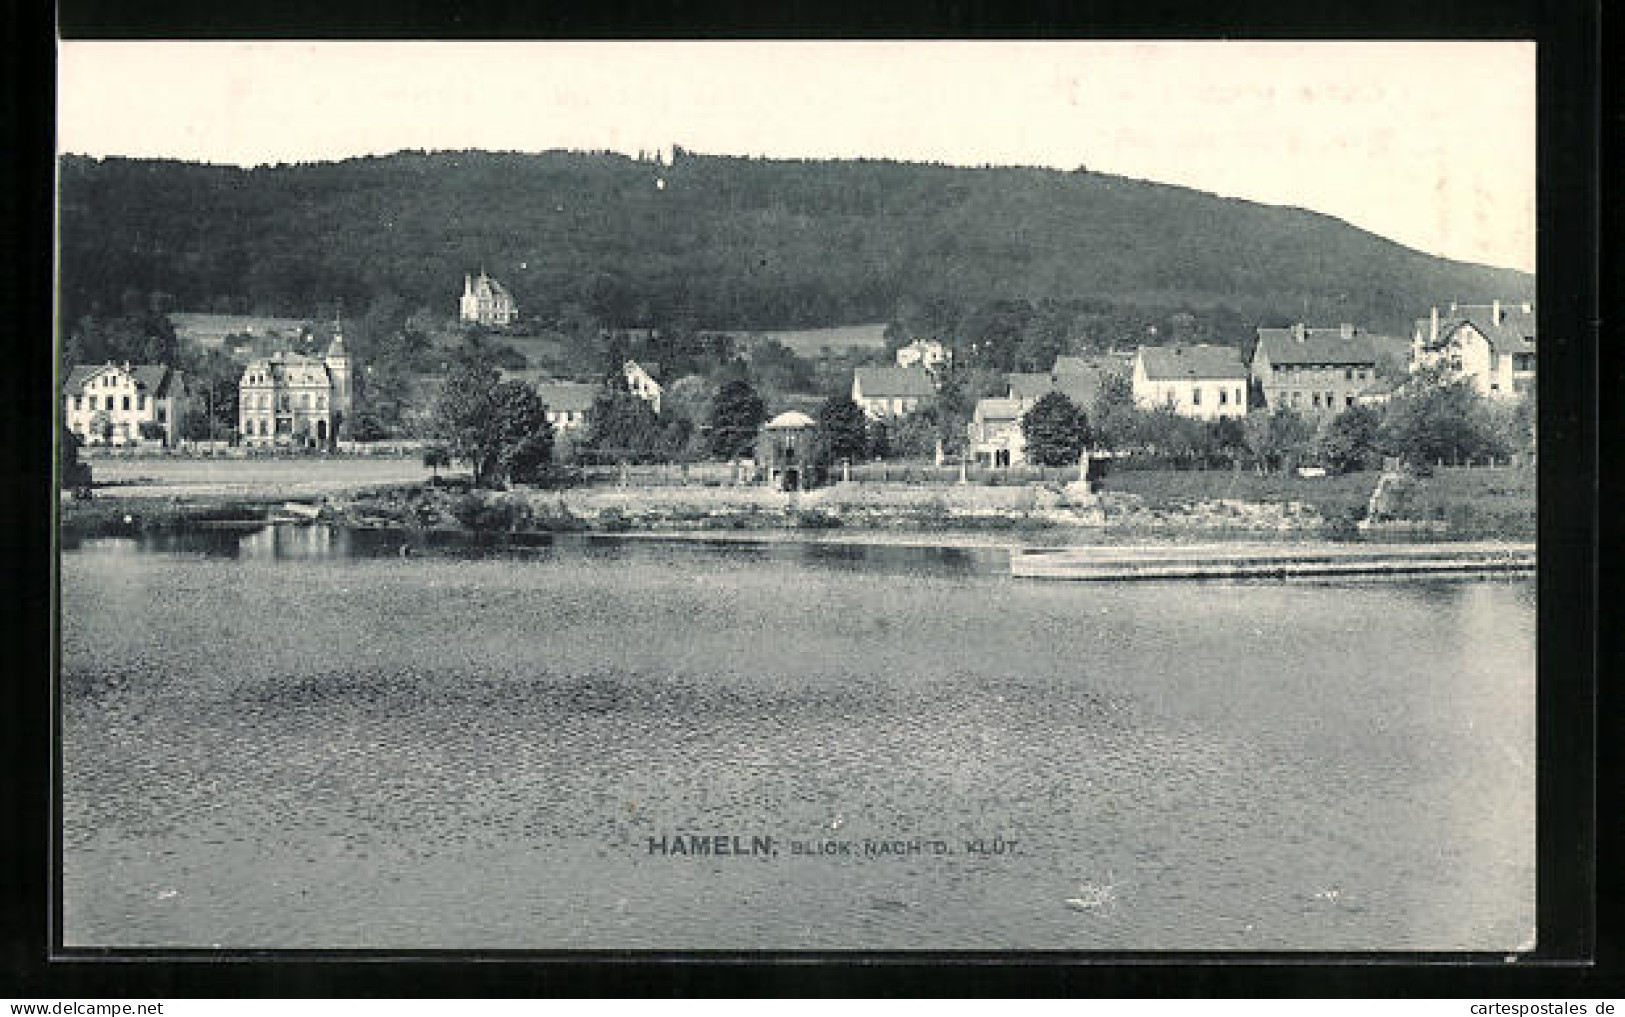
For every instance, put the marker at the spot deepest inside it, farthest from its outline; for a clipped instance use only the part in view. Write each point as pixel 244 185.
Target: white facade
pixel 486 302
pixel 642 384
pixel 889 392
pixel 108 405
pixel 1205 390
pixel 291 399
pixel 995 434
pixel 929 354
pixel 1491 347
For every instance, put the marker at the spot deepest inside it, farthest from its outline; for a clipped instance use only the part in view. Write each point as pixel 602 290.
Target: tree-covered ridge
pixel 719 242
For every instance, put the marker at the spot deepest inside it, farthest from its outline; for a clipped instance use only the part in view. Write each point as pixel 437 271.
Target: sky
pixel 1430 144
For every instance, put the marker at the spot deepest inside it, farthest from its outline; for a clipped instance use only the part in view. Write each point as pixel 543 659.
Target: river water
pixel 298 738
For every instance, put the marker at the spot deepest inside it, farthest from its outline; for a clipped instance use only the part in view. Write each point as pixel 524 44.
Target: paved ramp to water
pixel 1257 561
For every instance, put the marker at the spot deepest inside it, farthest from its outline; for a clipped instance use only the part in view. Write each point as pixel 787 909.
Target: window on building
pixel 162 415
pixel 141 402
pixel 1196 395
pixel 1314 398
pixel 1297 398
pixel 1224 397
pixel 1348 374
pixel 1330 401
pixel 1239 398
pixel 78 402
pixel 1348 400
pixel 126 402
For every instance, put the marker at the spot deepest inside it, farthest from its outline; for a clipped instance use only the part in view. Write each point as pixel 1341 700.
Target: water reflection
pixel 304 543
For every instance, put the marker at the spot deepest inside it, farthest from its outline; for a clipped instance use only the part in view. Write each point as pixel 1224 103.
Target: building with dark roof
pixel 884 392
pixel 1314 371
pixel 1491 345
pixel 567 403
pixel 995 434
pixel 122 404
pixel 1204 382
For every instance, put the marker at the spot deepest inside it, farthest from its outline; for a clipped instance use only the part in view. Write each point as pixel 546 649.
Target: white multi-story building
pixel 1204 382
pixel 641 381
pixel 292 399
pixel 486 302
pixel 1491 345
pixel 121 404
pixel 927 353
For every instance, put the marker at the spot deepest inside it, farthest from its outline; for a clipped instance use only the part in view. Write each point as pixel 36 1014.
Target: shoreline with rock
pixel 926 514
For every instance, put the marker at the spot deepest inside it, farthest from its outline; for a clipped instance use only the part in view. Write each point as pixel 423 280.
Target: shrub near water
pixel 484 514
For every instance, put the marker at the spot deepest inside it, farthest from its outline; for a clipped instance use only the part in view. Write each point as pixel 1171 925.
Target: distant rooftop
pixel 894 383
pixel 1303 345
pixel 1169 363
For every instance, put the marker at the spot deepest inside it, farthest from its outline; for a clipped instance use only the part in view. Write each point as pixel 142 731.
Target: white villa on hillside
pixel 1204 382
pixel 641 381
pixel 929 354
pixel 486 302
pixel 1491 345
pixel 112 404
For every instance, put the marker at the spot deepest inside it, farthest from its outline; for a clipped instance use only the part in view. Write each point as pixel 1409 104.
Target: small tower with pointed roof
pixel 338 368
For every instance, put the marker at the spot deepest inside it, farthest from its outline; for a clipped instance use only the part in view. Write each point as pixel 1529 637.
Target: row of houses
pixel 288 398
pixel 1316 372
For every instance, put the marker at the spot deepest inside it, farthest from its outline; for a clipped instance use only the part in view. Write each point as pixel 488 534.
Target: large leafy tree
pixel 842 429
pixel 1278 439
pixel 1438 419
pixel 1056 430
pixel 737 413
pixel 214 380
pixel 144 337
pixel 499 428
pixel 623 427
pixel 1352 440
pixel 1114 417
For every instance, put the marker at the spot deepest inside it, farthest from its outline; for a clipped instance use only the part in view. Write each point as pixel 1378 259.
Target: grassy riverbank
pixel 1155 506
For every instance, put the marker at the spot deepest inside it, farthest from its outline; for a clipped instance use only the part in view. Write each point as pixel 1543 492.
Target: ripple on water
pixel 473 753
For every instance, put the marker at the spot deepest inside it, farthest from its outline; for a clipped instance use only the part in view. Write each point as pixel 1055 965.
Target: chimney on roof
pixel 1299 332
pixel 1433 330
pixel 1495 312
pixel 1528 308
pixel 1347 330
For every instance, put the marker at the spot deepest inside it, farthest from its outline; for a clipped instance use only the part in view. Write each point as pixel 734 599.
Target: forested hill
pixel 716 241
